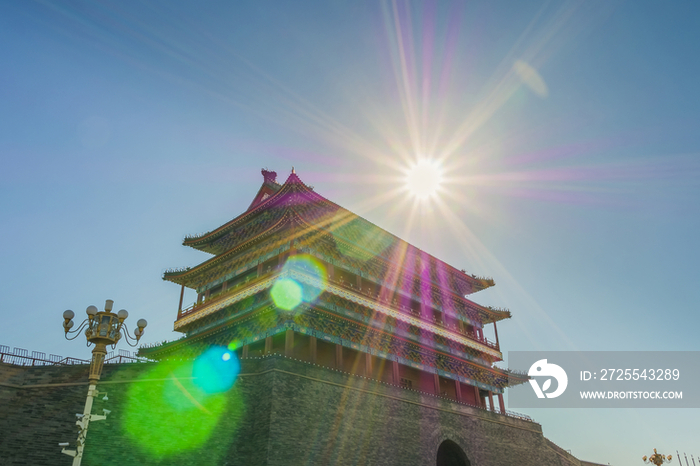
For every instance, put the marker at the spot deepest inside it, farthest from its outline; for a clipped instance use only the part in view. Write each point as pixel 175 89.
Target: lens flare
pixel 168 412
pixel 215 370
pixel 288 293
pixel 348 231
pixel 531 78
pixel 311 267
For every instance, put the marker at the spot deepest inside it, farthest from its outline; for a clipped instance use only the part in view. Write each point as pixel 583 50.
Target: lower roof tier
pixel 411 270
pixel 339 301
pixel 410 293
pixel 268 321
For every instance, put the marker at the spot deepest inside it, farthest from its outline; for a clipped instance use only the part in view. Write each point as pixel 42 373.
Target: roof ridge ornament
pixel 293 179
pixel 269 176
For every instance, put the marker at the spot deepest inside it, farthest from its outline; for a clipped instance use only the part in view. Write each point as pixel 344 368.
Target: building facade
pixel 299 275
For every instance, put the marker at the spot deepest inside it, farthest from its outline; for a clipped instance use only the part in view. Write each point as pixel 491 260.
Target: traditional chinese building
pixel 298 275
pixel 354 348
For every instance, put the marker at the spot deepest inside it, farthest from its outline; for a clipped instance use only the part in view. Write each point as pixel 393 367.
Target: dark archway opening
pixel 449 454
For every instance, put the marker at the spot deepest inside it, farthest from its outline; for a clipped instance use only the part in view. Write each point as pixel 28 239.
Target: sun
pixel 424 179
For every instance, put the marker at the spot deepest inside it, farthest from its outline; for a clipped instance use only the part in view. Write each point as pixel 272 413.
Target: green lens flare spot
pixel 173 415
pixel 286 293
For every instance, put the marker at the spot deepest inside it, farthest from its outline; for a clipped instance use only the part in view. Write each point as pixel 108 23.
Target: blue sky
pixel 567 133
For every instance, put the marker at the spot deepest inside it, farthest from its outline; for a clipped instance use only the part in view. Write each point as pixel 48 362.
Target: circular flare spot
pixel 303 279
pixel 286 293
pixel 215 370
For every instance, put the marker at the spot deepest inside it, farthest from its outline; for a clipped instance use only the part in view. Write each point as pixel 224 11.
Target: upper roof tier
pixel 274 203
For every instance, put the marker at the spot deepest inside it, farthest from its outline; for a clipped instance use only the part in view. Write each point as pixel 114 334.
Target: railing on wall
pixel 21 357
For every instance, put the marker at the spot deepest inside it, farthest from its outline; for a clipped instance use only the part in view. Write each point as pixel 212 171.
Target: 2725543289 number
pixel 639 374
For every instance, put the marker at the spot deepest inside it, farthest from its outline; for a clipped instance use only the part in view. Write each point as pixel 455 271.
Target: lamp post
pixel 657 458
pixel 102 329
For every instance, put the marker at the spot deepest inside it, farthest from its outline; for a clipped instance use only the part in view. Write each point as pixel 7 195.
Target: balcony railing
pixel 369 293
pixel 227 292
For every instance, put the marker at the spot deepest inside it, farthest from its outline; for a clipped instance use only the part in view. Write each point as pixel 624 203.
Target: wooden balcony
pixel 349 286
pixel 452 327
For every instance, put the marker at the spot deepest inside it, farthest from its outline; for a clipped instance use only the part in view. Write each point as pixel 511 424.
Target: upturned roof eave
pixel 191 271
pixel 202 241
pixel 183 277
pixel 294 182
pixel 497 317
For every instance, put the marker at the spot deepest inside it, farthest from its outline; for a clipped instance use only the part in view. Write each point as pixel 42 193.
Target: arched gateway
pixel 450 454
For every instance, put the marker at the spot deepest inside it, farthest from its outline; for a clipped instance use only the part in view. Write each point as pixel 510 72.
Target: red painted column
pixel 368 365
pixel 339 357
pixel 268 345
pixel 312 347
pixel 395 372
pixel 495 329
pixel 501 403
pixel 491 406
pixel 436 379
pixel 458 390
pixel 477 396
pixel 182 296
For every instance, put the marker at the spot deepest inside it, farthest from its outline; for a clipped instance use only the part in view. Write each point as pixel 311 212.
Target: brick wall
pixel 280 412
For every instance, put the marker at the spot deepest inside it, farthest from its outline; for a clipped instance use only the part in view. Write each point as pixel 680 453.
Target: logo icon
pixel 543 369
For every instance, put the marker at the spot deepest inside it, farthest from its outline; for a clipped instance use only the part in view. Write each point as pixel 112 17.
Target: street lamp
pixel 102 328
pixel 657 459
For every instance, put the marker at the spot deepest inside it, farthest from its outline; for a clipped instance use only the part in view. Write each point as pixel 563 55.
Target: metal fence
pixel 21 357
